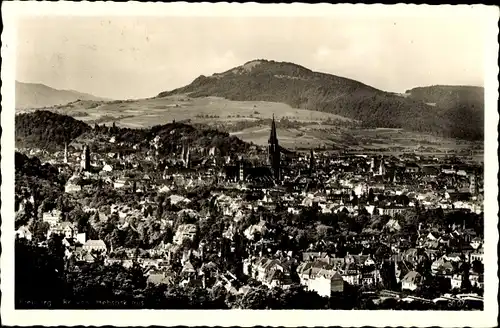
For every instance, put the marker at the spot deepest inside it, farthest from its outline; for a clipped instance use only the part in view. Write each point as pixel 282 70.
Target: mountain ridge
pixel 39 95
pixel 300 87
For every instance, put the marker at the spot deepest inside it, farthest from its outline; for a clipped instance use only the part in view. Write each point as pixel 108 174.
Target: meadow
pixel 311 129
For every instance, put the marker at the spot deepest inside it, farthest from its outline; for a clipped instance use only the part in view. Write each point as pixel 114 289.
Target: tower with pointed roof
pixel 85 159
pixel 473 185
pixel 65 153
pixel 311 163
pixel 273 152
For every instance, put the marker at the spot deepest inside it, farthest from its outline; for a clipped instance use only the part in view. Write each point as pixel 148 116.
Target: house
pixel 454 257
pixel 160 278
pixel 270 272
pixel 477 255
pixel 94 245
pixel 411 281
pixel 442 266
pixel 476 243
pixel 393 225
pixel 351 274
pixel 316 256
pixel 122 183
pixel 66 229
pixel 252 230
pixel 412 168
pixel 24 233
pixel 476 280
pixel 73 185
pixel 456 281
pixel 320 277
pixel 185 231
pixel 391 210
pixel 52 217
pixel 107 168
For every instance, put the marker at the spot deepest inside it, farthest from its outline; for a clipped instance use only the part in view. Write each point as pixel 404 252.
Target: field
pixel 153 111
pixel 245 119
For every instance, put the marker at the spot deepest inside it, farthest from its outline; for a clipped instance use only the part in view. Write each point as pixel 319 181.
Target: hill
pixel 450 96
pixel 299 87
pixel 46 130
pixel 462 106
pixel 35 95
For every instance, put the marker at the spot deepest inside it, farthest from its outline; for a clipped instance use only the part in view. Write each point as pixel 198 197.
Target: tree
pixel 466 284
pixel 478 267
pixel 388 275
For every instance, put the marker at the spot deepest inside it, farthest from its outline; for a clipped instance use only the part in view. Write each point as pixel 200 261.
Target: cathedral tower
pixel 311 163
pixel 65 153
pixel 85 159
pixel 274 152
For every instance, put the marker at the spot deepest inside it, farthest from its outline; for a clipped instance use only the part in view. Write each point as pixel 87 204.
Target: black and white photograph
pixel 212 157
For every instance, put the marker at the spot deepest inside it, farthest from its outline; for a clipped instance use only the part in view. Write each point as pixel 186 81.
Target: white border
pixel 487 318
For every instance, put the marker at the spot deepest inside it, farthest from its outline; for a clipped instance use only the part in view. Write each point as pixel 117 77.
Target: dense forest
pixel 302 88
pixel 42 181
pixel 446 96
pixel 46 130
pixel 461 106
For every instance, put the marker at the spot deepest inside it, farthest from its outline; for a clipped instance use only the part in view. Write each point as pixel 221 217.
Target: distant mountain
pixel 264 80
pixel 35 95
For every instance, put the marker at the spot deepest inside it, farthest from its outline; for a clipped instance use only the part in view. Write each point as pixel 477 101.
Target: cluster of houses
pixel 330 183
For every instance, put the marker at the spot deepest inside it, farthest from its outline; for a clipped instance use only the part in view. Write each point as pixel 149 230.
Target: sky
pixel 138 57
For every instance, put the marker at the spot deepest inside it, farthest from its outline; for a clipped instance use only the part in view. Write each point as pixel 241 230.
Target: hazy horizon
pixel 138 57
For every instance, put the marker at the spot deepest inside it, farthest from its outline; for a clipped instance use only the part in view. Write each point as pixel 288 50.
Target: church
pixel 264 175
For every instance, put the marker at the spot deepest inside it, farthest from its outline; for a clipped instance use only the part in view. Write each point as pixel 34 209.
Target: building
pixel 411 281
pixel 24 233
pixel 52 217
pixel 456 281
pixel 122 182
pixel 270 272
pixel 66 229
pixel 320 277
pixel 477 255
pixel 392 211
pixel 73 184
pixel 184 231
pixel 412 168
pixel 186 156
pixel 65 153
pixel 273 152
pixel 311 163
pixel 473 185
pixel 95 245
pixel 85 159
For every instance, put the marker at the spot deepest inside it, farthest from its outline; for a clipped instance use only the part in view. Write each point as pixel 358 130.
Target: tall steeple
pixel 85 159
pixel 274 151
pixel 65 153
pixel 311 163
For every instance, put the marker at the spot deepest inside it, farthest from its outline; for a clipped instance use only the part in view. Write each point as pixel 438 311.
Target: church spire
pixel 273 137
pixel 311 163
pixel 65 153
pixel 274 151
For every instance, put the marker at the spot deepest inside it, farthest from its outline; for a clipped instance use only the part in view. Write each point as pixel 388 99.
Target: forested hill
pixel 461 106
pixel 450 96
pixel 263 80
pixel 47 130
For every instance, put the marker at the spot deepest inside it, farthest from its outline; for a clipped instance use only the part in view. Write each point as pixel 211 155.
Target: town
pixel 254 228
